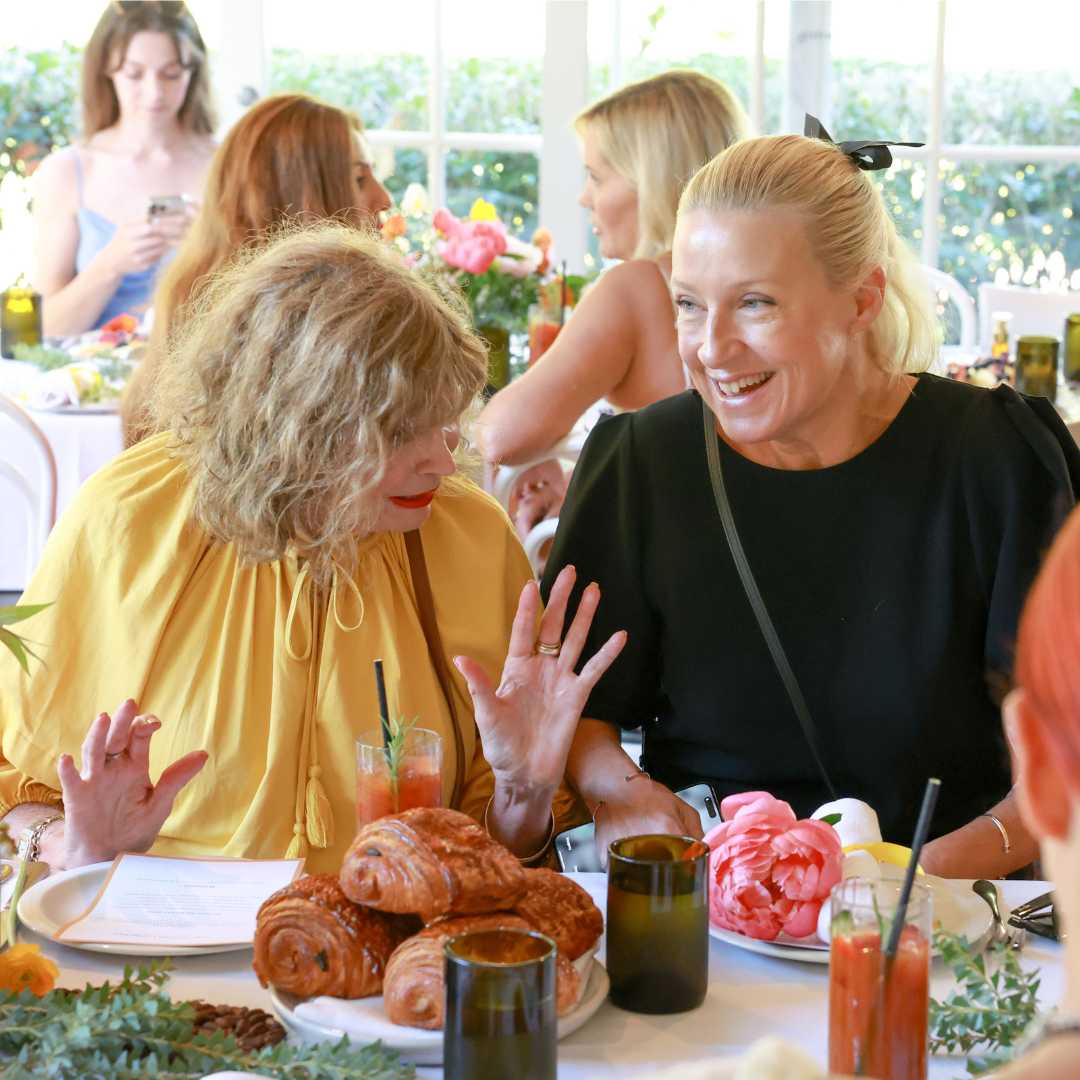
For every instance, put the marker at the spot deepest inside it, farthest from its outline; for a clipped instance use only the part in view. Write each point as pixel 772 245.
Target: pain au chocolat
pixel 311 939
pixel 561 909
pixel 432 863
pixel 414 990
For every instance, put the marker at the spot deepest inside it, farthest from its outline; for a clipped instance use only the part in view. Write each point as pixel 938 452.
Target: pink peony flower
pixel 472 245
pixel 445 222
pixel 769 872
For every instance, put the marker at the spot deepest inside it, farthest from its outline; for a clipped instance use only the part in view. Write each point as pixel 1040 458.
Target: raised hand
pixel 528 722
pixel 110 805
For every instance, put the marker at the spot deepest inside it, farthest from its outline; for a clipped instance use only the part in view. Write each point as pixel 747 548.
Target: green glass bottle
pixel 498 343
pixel 1072 347
pixel 1037 365
pixel 20 319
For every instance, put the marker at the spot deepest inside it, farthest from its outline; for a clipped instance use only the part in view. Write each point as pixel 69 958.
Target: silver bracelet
pixel 30 845
pixel 1006 845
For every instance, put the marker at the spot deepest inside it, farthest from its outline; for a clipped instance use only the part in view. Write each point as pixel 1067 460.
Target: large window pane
pixel 881 73
pixel 1010 220
pixel 399 167
pixel 509 181
pixel 648 38
pixel 371 58
pixel 1012 72
pixel 494 54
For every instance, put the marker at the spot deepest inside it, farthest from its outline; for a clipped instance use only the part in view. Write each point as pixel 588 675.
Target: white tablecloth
pixel 81 443
pixel 750 996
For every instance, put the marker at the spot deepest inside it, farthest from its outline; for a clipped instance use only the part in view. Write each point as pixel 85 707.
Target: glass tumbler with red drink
pixel 879 1009
pixel 400 775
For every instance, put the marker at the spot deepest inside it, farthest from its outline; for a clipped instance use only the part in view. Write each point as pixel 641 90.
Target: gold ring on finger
pixel 544 649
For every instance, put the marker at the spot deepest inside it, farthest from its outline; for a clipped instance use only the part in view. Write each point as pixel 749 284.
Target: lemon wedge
pixel 884 852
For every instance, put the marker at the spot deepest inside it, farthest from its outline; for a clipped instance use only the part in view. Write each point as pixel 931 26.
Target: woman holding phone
pixel 111 209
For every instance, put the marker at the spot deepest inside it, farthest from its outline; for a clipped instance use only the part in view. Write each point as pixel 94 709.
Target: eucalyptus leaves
pixel 132 1029
pixel 989 1011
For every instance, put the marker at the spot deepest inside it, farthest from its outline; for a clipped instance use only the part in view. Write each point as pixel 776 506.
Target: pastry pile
pixel 410 882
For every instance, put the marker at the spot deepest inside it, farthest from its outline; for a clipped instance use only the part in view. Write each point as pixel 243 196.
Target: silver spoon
pixel 988 891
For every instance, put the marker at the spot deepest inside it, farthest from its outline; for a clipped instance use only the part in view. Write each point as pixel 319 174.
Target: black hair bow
pixel 868 154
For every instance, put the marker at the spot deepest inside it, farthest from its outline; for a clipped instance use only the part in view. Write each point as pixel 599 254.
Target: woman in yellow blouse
pixel 238 574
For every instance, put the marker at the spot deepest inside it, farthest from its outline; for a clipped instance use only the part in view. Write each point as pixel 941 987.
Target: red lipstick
pixel 414 502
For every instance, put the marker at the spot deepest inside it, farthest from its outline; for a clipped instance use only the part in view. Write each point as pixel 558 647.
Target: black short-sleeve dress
pixel 895 582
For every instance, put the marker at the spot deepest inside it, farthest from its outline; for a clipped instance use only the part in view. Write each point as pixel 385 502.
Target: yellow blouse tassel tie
pixel 314 822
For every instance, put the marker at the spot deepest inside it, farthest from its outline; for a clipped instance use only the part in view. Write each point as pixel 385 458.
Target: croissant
pixel 562 909
pixel 431 862
pixel 311 939
pixel 414 989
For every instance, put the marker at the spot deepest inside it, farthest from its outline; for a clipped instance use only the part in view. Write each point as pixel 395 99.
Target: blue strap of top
pixel 95 231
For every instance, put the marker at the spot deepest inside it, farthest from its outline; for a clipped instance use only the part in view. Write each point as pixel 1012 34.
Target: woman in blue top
pixel 147 124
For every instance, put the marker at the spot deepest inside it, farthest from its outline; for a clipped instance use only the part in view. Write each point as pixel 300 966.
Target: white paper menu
pixel 153 900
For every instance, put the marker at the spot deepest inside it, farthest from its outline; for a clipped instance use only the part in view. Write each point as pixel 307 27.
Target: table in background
pixel 750 996
pixel 81 443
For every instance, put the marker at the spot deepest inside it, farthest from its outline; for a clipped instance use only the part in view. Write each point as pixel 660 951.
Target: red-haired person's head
pixel 1042 717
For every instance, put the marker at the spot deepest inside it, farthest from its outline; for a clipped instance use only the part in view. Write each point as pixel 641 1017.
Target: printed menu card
pixel 158 901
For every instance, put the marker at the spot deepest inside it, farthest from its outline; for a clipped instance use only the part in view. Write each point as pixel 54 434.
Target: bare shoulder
pixel 57 177
pixel 635 281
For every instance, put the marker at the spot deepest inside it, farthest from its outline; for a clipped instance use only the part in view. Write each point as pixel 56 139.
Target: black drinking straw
pixel 922 827
pixel 384 712
pixel 562 293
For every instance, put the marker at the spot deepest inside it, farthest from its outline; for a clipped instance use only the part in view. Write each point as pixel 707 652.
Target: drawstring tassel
pixel 320 817
pixel 298 846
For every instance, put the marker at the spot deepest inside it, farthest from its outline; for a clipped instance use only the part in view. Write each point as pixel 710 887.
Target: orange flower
pixel 394 226
pixel 22 967
pixel 542 238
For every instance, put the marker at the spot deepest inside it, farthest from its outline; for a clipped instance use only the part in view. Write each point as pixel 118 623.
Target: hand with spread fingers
pixel 110 805
pixel 527 723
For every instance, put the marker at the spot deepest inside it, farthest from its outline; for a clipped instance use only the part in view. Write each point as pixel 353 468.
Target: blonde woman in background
pixel 239 573
pixel 288 156
pixel 147 132
pixel 892 521
pixel 641 145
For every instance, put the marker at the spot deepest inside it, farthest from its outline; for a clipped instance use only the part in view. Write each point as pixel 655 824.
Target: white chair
pixel 38 491
pixel 1033 312
pixel 946 288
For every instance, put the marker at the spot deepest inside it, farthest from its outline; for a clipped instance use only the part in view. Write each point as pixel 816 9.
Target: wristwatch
pixel 30 844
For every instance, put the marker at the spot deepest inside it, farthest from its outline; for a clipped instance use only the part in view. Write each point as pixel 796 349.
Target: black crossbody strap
pixel 742 564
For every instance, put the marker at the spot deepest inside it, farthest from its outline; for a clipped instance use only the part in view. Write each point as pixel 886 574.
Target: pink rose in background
pixel 768 871
pixel 470 245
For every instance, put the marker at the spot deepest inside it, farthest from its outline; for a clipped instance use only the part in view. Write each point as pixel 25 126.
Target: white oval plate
pixel 79 410
pixel 956 909
pixel 416 1045
pixel 64 896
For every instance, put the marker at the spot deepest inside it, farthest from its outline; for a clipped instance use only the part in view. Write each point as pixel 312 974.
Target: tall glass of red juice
pixel 878 1013
pixel 406 777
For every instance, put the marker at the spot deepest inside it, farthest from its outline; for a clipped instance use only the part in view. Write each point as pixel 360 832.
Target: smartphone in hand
pixel 166 204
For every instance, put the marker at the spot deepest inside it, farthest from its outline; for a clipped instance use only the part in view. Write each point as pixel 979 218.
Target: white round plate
pixel 956 909
pixel 80 410
pixel 61 897
pixel 416 1045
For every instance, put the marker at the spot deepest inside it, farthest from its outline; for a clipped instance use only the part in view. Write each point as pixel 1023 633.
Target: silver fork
pixel 1001 933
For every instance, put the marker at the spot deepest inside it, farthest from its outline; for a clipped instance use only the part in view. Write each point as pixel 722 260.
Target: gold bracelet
pixel 526 860
pixel 30 845
pixel 1005 844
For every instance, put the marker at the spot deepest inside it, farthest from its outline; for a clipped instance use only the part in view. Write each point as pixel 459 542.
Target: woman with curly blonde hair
pixel 289 156
pixel 240 572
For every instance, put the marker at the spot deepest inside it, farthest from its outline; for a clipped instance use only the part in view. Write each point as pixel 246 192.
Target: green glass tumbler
pixel 500 1006
pixel 658 923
